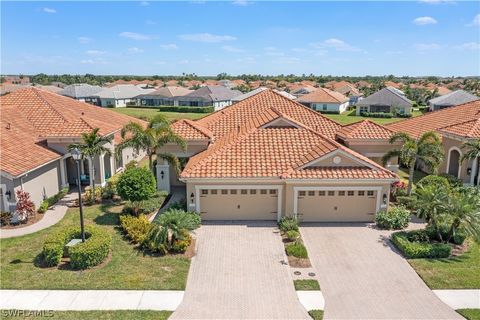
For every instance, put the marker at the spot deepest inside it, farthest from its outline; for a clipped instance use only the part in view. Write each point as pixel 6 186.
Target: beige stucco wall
pixel 192 149
pixel 374 151
pixel 449 144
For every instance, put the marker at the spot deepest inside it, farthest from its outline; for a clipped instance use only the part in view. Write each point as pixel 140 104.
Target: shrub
pixel 181 245
pixel 110 189
pixel 297 250
pixel 316 314
pixel 288 223
pixel 433 180
pixel 83 255
pixel 136 184
pixel 452 180
pixel 43 207
pixel 144 207
pixel 180 205
pixel 377 114
pixel 89 194
pixel 444 230
pixel 395 218
pixel 156 239
pixel 416 250
pixel 182 109
pixel 135 228
pixel 329 111
pixel 5 218
pixel 399 189
pixel 293 235
pixel 47 203
pixel 25 207
pixel 131 164
pixel 179 219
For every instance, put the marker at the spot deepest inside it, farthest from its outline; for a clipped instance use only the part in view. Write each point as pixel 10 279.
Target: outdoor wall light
pixel 8 194
pixel 192 197
pixel 162 174
pixel 469 171
pixel 384 199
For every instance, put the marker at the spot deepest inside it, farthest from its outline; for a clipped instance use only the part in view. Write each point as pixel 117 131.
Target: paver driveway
pixel 362 277
pixel 237 274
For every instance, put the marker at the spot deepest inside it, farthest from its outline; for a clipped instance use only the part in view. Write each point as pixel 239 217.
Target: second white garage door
pixel 337 205
pixel 238 204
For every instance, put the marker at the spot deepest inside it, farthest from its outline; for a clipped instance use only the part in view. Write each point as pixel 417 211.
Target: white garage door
pixel 337 205
pixel 238 204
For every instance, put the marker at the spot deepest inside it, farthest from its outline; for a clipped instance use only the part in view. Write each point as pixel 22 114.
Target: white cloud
pixel 49 10
pixel 242 3
pixel 144 3
pixel 427 46
pixel 437 1
pixel 422 21
pixel 468 46
pixel 475 22
pixel 135 36
pixel 232 49
pixel 95 52
pixel 135 50
pixel 336 44
pixel 169 46
pixel 206 37
pixel 150 22
pixel 84 40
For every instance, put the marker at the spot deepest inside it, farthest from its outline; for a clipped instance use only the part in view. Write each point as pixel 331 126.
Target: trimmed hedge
pixel 377 114
pixel 47 203
pixel 135 228
pixel 83 255
pixel 329 111
pixel 179 109
pixel 415 250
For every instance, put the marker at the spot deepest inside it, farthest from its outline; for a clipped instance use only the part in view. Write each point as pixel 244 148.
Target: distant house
pixel 451 99
pixel 23 80
pixel 387 100
pixel 345 88
pixel 217 96
pixel 302 90
pixel 325 100
pixel 82 92
pixel 258 90
pixel 120 95
pixel 164 96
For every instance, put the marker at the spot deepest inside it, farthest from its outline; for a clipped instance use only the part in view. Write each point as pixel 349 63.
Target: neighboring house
pixel 217 96
pixel 164 96
pixel 22 80
pixel 345 88
pixel 456 125
pixel 120 95
pixel 451 99
pixel 387 100
pixel 258 90
pixel 300 90
pixel 267 157
pixel 37 128
pixel 82 92
pixel 442 90
pixel 325 100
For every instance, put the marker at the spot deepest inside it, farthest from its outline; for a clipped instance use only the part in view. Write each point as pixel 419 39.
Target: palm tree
pixel 92 145
pixel 464 209
pixel 427 150
pixel 150 139
pixel 472 152
pixel 431 205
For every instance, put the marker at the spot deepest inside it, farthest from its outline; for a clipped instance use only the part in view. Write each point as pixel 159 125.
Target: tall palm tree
pixel 150 139
pixel 92 145
pixel 464 208
pixel 427 150
pixel 472 152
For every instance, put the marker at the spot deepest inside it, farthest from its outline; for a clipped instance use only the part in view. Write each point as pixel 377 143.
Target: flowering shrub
pixel 25 206
pixel 399 189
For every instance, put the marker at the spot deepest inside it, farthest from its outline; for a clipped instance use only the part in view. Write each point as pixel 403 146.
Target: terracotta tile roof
pixel 38 114
pixel 189 130
pixel 339 173
pixel 258 150
pixel 467 129
pixel 435 120
pixel 323 95
pixel 231 118
pixel 364 129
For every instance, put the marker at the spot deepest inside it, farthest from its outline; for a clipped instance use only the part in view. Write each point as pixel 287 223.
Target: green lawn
pixel 308 284
pixel 128 267
pixel 349 117
pixel 91 315
pixel 149 113
pixel 453 273
pixel 470 314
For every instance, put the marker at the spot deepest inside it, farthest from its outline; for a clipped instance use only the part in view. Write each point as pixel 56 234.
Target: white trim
pixel 364 188
pixel 240 186
pixel 334 153
pixel 459 162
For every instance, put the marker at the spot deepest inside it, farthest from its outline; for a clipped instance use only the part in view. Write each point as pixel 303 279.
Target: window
pixel 321 193
pixel 370 193
pixel 363 109
pixel 311 193
pixel 351 193
pixel 361 193
pixel 302 193
pixel 243 191
pixel 273 192
pixel 213 191
pixel 263 191
pixel 331 193
pixel 253 191
pixel 233 191
pixel 341 193
pixel 204 191
pixel 224 191
pixel 324 107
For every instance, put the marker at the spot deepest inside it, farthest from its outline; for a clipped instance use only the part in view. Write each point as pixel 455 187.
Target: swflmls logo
pixel 27 313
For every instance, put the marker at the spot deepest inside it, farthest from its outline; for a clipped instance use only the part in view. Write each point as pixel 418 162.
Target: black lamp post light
pixel 77 156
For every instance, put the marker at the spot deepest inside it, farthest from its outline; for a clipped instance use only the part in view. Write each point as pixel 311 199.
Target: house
pixel 325 100
pixel 120 95
pixel 451 99
pixel 37 127
pixel 165 96
pixel 456 125
pixel 22 80
pixel 82 92
pixel 345 88
pixel 217 96
pixel 387 100
pixel 300 90
pixel 255 91
pixel 266 157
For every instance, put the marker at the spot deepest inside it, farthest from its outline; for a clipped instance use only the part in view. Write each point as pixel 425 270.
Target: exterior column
pixel 91 170
pixel 163 176
pixel 63 176
pixel 473 173
pixel 101 168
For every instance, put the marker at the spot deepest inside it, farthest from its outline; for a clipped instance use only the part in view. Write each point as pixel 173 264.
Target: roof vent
pixel 8 126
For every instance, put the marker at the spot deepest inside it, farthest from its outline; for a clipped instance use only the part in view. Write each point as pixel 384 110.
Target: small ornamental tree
pixel 136 184
pixel 25 206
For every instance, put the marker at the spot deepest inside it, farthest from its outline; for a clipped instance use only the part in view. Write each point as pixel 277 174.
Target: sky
pixel 412 38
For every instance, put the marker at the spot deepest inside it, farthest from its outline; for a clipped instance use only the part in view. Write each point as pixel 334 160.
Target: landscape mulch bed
pixel 37 217
pixel 295 262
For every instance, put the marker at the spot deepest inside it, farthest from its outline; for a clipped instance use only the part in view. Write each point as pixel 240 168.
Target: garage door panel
pixel 239 204
pixel 337 206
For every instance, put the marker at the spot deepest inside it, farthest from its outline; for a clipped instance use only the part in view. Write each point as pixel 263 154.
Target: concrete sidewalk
pixel 90 299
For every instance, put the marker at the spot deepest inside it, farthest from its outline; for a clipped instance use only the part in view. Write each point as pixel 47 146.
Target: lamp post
pixel 77 156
